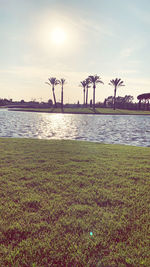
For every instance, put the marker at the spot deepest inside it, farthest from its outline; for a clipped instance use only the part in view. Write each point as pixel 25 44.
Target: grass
pixel 88 111
pixel 54 193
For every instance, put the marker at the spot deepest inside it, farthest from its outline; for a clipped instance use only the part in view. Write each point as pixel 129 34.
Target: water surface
pixel 110 129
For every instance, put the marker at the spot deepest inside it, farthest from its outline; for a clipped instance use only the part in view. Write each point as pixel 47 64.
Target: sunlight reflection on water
pixel 111 129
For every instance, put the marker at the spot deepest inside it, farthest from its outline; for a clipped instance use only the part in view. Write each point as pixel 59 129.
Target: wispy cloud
pixel 127 71
pixel 126 52
pixel 95 27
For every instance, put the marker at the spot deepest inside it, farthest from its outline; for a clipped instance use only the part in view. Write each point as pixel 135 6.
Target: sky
pixel 109 38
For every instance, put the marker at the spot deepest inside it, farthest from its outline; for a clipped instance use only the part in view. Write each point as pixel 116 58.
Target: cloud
pixel 94 27
pixel 127 71
pixel 127 52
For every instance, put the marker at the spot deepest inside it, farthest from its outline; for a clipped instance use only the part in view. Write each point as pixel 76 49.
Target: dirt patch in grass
pixel 31 206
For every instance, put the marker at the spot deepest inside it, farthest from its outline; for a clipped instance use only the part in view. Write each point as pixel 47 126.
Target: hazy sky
pixel 110 38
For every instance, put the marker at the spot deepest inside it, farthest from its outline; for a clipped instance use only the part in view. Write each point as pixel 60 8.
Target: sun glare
pixel 58 36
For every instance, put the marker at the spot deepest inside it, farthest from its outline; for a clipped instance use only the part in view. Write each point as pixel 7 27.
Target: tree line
pixel 86 84
pixel 92 80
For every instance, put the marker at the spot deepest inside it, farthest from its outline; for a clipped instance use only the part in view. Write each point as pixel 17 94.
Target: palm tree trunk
pixel 62 99
pixel 86 97
pixel 115 98
pixel 94 96
pixel 54 97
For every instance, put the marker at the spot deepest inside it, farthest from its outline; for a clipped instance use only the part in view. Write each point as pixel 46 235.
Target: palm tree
pixel 53 82
pixel 62 82
pixel 94 80
pixel 83 84
pixel 116 83
pixel 87 87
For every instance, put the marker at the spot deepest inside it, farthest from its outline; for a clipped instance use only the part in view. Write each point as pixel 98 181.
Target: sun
pixel 58 36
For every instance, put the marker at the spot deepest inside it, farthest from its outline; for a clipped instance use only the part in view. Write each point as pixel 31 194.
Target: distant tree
pixel 87 89
pixel 94 80
pixel 33 99
pixel 121 101
pixel 62 82
pixel 50 102
pixel 83 85
pixel 146 98
pixel 109 101
pixel 53 82
pixel 5 101
pixel 124 102
pixel 116 83
pixel 91 103
pixel 128 99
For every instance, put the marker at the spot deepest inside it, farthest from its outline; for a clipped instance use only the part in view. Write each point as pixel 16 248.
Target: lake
pixel 110 129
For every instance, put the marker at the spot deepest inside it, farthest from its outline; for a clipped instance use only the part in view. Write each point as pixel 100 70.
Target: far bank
pixel 97 111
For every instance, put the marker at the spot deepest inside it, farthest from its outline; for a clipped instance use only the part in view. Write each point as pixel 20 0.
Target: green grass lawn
pixel 87 111
pixel 54 193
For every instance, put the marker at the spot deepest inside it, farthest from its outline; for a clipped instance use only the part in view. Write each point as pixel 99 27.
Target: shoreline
pixel 84 113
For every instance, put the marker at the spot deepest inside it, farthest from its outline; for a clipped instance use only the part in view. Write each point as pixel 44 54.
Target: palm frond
pixel 52 80
pixel 82 83
pixel 87 81
pixel 112 82
pixel 57 82
pixel 91 78
pixel 62 81
pixel 47 83
pixel 95 79
pixel 99 81
pixel 117 82
pixel 121 84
